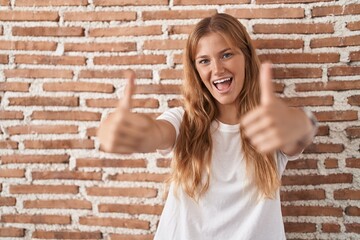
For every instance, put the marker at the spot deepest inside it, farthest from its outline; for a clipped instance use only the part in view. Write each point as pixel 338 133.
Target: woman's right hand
pixel 123 131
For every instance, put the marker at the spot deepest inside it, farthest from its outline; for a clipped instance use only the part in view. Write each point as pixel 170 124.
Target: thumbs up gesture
pixel 273 125
pixel 124 131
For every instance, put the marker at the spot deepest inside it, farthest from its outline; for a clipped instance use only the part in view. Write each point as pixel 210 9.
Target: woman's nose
pixel 218 67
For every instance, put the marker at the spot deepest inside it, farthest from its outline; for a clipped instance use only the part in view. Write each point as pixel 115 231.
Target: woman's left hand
pixel 273 125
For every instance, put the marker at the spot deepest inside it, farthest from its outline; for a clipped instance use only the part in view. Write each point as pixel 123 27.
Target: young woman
pixel 231 140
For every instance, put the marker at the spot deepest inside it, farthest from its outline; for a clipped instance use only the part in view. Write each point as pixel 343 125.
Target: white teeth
pixel 221 80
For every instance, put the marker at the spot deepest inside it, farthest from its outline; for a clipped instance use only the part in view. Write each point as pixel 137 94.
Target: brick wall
pixel 62 70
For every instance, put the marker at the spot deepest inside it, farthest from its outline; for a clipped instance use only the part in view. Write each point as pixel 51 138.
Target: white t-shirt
pixel 230 208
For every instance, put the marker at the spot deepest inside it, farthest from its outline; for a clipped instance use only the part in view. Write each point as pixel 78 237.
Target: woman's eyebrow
pixel 222 51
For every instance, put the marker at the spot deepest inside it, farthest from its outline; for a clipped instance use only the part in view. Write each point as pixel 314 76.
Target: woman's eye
pixel 227 55
pixel 203 61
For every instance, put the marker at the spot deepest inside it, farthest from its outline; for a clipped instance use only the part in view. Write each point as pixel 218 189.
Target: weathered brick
pixel 331 163
pixel 130 60
pixel 4 59
pixel 59 204
pixel 91 132
pixel 311 211
pixel 354 26
pixel 180 29
pixel 352 227
pixel 129 2
pixel 48 31
pixel 50 60
pixel 282 73
pixel 38 73
pixel 137 177
pixel 76 175
pixel 345 194
pixel 110 163
pixel 115 222
pixel 273 13
pixel 12 232
pixel 100 16
pixel 278 43
pixel 353 132
pixel 100 47
pixel 344 71
pixel 330 227
pixel 59 144
pixel 352 211
pixel 44 101
pixel 301 57
pixel 163 162
pixel 112 103
pixel 309 101
pixel 209 2
pixel 288 1
pixel 354 100
pixel 294 28
pixel 175 103
pixel 302 164
pixel 354 56
pixel 334 116
pixel 44 189
pixel 4 3
pixel 45 3
pixel 10 115
pixel 125 192
pixel 79 87
pixel 66 234
pixel 125 31
pixel 324 148
pixel 158 89
pixel 42 129
pixel 12 173
pixel 328 86
pixel 7 201
pixel 28 45
pixel 303 195
pixel 164 44
pixel 171 74
pixel 336 10
pixel 113 74
pixel 8 144
pixel 335 42
pixel 14 86
pixel 131 237
pixel 177 14
pixel 353 162
pixel 131 209
pixel 8 159
pixel 317 179
pixel 66 115
pixel 36 219
pixel 28 16
pixel 299 227
pixel 323 131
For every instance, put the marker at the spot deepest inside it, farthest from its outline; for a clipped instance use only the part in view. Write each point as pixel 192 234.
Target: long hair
pixel 193 149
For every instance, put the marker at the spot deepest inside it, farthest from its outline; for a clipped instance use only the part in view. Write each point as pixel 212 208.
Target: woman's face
pixel 221 68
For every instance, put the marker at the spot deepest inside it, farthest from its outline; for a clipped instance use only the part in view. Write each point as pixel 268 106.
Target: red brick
pixel 44 189
pixel 14 86
pixel 10 115
pixel 12 232
pixel 177 14
pixel 139 177
pixel 66 235
pixel 309 101
pixel 317 179
pixel 311 211
pixel 284 73
pixel 125 31
pixel 344 71
pixel 278 43
pixel 91 132
pixel 328 86
pixel 209 2
pixel 353 162
pixel 345 194
pixel 331 163
pixel 335 116
pixel 100 47
pixel 273 13
pixel 129 2
pixel 303 195
pixel 28 16
pixel 180 29
pixel 175 103
pixel 12 173
pixel 38 73
pixel 42 129
pixel 59 144
pixel 45 3
pixel 352 227
pixel 70 175
pixel 7 201
pixel 36 219
pixel 112 103
pixel 354 26
pixel 65 115
pixel 79 87
pixel 115 222
pixel 4 3
pixel 335 42
pixel 4 59
pixel 113 74
pixel 130 60
pixel 124 192
pixel 324 148
pixel 301 57
pixel 351 9
pixel 354 56
pixel 110 163
pixel 28 45
pixel 44 101
pixel 59 204
pixel 171 74
pixel 164 44
pixel 323 131
pixel 8 144
pixel 49 31
pixel 354 100
pixel 131 209
pixel 288 1
pixel 8 159
pixel 299 227
pixel 131 237
pixel 158 89
pixel 302 164
pixel 50 60
pixel 330 227
pixel 100 16
pixel 352 211
pixel 294 28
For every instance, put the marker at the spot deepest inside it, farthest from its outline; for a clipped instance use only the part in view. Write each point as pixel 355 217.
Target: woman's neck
pixel 228 114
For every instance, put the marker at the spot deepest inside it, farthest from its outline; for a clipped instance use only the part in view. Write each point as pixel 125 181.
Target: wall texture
pixel 62 70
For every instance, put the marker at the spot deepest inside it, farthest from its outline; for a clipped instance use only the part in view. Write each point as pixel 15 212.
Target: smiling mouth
pixel 223 84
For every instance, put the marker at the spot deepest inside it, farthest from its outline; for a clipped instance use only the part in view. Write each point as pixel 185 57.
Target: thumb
pixel 266 85
pixel 125 103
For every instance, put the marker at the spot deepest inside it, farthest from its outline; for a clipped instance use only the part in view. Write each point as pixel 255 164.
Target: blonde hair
pixel 192 153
